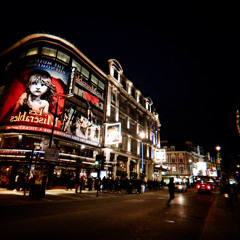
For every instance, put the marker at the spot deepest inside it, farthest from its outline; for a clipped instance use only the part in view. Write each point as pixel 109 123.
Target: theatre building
pixel 59 110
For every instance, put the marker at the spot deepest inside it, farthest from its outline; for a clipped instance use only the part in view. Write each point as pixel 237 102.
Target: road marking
pixel 169 221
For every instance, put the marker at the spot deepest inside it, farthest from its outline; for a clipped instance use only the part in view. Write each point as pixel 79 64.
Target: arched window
pixel 115 69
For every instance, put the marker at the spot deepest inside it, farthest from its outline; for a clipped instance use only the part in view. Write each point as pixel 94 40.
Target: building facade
pixel 189 163
pixel 137 152
pixel 59 111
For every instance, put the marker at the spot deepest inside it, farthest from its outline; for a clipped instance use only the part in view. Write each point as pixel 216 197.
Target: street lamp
pixel 142 136
pixel 218 160
pixel 218 148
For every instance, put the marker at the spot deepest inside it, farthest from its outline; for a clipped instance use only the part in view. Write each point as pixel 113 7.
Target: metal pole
pixel 30 165
pixel 54 120
pixel 142 157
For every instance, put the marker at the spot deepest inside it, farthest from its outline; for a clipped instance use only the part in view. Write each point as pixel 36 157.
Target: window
pixel 115 74
pixel 49 51
pixel 32 51
pixel 133 93
pixel 124 142
pixel 101 85
pixel 77 65
pixel 97 82
pixel 134 146
pixel 113 97
pixel 63 57
pixel 85 72
pixel 94 79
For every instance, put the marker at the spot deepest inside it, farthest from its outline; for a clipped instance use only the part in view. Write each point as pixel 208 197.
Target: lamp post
pixel 219 162
pixel 142 136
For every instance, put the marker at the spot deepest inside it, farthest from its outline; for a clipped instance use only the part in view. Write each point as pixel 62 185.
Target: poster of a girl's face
pixel 32 96
pixel 39 93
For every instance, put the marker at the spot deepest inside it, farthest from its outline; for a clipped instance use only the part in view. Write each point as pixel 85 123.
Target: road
pixel 110 216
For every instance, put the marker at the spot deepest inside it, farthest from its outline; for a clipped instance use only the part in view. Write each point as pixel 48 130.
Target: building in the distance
pixel 59 111
pixel 189 163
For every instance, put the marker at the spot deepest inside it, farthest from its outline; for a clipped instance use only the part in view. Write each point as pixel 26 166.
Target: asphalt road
pixel 110 216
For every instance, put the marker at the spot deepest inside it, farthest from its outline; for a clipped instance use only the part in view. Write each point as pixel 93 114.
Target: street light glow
pixel 142 134
pixel 218 148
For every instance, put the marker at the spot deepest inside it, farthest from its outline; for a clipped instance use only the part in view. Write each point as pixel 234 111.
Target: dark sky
pixel 185 55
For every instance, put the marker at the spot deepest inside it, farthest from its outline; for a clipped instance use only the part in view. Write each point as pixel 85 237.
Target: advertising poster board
pixel 36 87
pixel 113 133
pixel 160 156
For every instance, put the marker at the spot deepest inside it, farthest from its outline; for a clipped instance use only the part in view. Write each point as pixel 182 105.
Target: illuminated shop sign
pixel 160 155
pixel 212 172
pixel 37 91
pixel 89 86
pixel 113 133
pixel 71 82
pixel 47 130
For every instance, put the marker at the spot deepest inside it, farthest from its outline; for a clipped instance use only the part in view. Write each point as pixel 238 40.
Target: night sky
pixel 184 55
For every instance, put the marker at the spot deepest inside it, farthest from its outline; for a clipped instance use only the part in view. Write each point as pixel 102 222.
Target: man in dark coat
pixel 171 189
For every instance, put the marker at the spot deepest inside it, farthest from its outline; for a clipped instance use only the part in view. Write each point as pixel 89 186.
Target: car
pixel 204 187
pixel 181 187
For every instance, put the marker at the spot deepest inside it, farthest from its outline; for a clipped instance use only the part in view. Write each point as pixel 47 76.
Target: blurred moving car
pixel 205 187
pixel 181 187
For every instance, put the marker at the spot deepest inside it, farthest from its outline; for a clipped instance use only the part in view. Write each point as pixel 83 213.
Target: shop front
pixel 24 156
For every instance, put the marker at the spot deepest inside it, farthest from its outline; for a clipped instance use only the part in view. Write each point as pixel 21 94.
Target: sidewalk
pixel 13 197
pixel 222 222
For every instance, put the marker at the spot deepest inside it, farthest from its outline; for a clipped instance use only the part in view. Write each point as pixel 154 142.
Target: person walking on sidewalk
pixel 171 189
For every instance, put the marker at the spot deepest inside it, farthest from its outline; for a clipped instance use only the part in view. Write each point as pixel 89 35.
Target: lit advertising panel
pixel 200 169
pixel 113 133
pixel 37 89
pixel 36 86
pixel 160 155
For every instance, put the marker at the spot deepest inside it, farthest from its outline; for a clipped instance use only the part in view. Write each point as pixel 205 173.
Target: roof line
pixel 53 37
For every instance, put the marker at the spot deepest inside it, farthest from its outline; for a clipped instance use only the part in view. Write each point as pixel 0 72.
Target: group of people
pixel 116 185
pixel 36 183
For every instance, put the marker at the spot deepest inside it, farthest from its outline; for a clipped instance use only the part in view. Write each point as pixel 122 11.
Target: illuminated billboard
pixel 33 93
pixel 160 155
pixel 200 169
pixel 37 90
pixel 113 133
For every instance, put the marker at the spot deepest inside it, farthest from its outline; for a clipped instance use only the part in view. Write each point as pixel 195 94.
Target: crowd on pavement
pixel 109 184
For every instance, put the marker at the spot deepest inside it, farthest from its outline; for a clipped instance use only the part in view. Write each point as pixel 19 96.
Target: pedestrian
pixel 77 183
pixel 171 189
pixel 104 183
pixel 139 185
pixel 82 183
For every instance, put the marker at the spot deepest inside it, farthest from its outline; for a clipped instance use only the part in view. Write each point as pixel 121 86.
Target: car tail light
pixel 208 187
pixel 198 186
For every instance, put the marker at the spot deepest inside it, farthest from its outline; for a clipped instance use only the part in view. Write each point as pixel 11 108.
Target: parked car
pixel 204 187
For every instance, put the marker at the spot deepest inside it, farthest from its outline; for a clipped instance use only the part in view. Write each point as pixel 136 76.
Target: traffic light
pixel 100 160
pixel 103 159
pixel 97 160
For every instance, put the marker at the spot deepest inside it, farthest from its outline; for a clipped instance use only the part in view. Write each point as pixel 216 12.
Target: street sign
pixel 51 154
